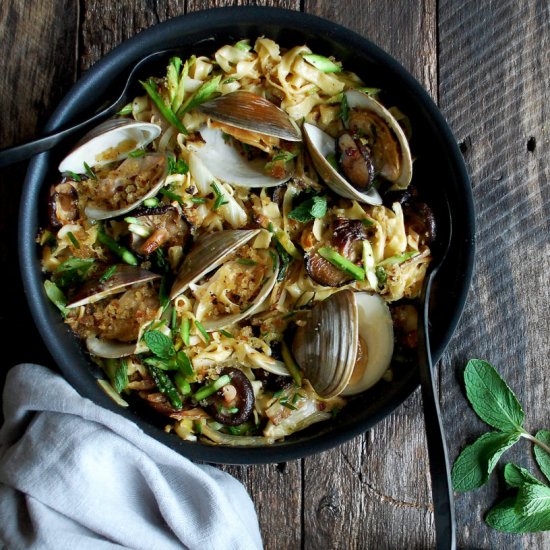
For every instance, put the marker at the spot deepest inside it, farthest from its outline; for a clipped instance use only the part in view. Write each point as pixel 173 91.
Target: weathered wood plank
pixel 374 492
pixel 494 71
pixel 38 41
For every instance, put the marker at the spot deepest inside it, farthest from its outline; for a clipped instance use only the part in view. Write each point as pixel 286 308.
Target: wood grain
pixel 488 64
pixel 494 68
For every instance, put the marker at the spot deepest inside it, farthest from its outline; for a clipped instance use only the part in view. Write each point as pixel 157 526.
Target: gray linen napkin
pixel 74 475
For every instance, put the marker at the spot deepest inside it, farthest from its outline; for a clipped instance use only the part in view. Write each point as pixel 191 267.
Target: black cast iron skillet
pixel 439 171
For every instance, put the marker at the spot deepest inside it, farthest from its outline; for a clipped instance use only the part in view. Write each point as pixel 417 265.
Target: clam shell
pixel 112 140
pixel 376 330
pixel 227 320
pixel 208 253
pixel 360 100
pixel 326 346
pixel 227 164
pixel 123 276
pixel 157 182
pixel 252 112
pixel 320 145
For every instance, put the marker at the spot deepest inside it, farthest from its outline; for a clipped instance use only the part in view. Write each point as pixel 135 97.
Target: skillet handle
pixel 442 495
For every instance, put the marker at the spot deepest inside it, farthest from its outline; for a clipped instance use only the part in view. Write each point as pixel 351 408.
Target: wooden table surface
pixel 486 63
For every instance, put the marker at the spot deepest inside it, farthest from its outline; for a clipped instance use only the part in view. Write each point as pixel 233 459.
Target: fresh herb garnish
pixel 220 197
pixel 160 344
pixel 213 387
pixel 118 249
pixel 72 271
pixel 226 334
pixel 344 110
pixel 324 64
pixel 204 93
pixel 185 331
pixel 107 274
pixel 126 110
pixel 177 166
pixel 495 403
pixel 202 330
pixel 171 195
pixel 73 176
pixel 198 200
pixel 311 208
pixel 165 110
pixel 166 386
pixel 243 45
pixel 337 260
pixel 184 364
pixel 151 202
pixel 73 239
pixel 381 275
pixel 89 172
pixel 246 261
pixel 55 294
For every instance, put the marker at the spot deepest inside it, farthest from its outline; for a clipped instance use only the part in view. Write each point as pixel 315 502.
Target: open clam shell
pixel 144 175
pixel 226 163
pixel 208 253
pixel 346 344
pixel 122 277
pixel 112 140
pixel 252 112
pixel 325 347
pixel 394 150
pixel 228 320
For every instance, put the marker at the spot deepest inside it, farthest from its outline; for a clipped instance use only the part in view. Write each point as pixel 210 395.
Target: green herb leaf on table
pixel 476 462
pixel 533 499
pixel 491 398
pixel 516 476
pixel 542 456
pixel 160 344
pixel 504 517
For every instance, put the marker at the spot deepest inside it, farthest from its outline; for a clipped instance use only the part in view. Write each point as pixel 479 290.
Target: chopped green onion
pixel 151 202
pixel 184 364
pixel 171 195
pixel 108 273
pixel 73 239
pixel 344 110
pixel 226 334
pixel 213 387
pixel 139 230
pixel 177 167
pixel 182 384
pixel 243 45
pixel 203 94
pixel 286 242
pixel 291 365
pixel 185 330
pixel 324 64
pixel 220 197
pixel 398 259
pixel 202 330
pixel 89 172
pixel 286 404
pixel 369 264
pixel 246 261
pixel 118 249
pixel 198 200
pixel 165 111
pixel 358 273
pixel 163 364
pixel 74 176
pixel 381 275
pixel 131 219
pixel 54 293
pixel 369 91
pixel 137 153
pixel 173 319
pixel 278 393
pixel 126 110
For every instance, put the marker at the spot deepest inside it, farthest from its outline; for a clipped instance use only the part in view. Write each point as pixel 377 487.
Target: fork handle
pixel 442 495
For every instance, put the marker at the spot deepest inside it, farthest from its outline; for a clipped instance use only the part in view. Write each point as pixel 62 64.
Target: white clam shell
pixel 320 145
pixel 112 140
pixel 150 161
pixel 227 164
pixel 208 253
pixel 376 329
pixel 326 346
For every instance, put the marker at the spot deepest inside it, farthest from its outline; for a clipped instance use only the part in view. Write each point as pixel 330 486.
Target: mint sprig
pixel 496 404
pixel 160 344
pixel 314 207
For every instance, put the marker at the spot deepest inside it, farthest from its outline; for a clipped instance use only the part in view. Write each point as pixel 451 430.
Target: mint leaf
pixel 491 398
pixel 543 458
pixel 516 476
pixel 504 517
pixel 533 499
pixel 476 462
pixel 160 344
pixel 120 380
pixel 314 207
pixel 55 294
